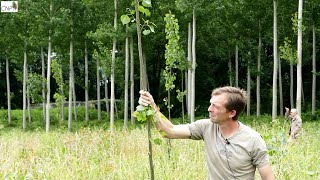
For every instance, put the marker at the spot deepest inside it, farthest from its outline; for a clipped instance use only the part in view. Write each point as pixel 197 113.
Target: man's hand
pixel 146 99
pixel 287 109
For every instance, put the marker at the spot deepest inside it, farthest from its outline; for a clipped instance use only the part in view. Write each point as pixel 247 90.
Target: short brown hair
pixel 237 98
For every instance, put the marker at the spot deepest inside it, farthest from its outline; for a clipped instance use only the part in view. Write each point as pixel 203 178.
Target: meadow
pixel 97 153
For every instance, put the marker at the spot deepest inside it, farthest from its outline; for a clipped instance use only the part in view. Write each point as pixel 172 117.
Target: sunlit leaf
pixel 125 19
pixel 146 32
pixel 146 3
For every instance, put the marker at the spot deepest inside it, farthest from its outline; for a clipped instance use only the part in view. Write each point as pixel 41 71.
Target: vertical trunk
pixel 8 91
pixel 49 75
pixel 248 91
pixel 71 84
pixel 86 82
pixel 230 68
pixel 189 89
pixel 237 65
pixel 299 64
pixel 98 89
pixel 258 75
pixel 43 86
pixel 74 98
pixel 132 80
pixel 62 94
pixel 126 79
pixel 291 86
pixel 193 74
pixel 112 68
pixel 275 61
pixel 24 123
pixel 106 94
pixel 28 98
pixel 314 71
pixel 281 108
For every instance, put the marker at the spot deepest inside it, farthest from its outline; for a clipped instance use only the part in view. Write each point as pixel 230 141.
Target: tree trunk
pixel 281 108
pixel 71 83
pixel 98 89
pixel 112 68
pixel 248 91
pixel 28 98
pixel 62 93
pixel 8 91
pixel 291 86
pixel 299 64
pixel 275 61
pixel 193 74
pixel 106 94
pixel 86 82
pixel 230 69
pixel 49 76
pixel 126 79
pixel 43 68
pixel 24 122
pixel 314 71
pixel 133 120
pixel 237 65
pixel 189 89
pixel 258 75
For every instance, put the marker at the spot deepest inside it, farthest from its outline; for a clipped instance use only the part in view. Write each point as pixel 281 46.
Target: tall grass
pixel 97 154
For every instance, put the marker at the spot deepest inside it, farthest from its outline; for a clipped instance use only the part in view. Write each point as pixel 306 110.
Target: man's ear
pixel 232 113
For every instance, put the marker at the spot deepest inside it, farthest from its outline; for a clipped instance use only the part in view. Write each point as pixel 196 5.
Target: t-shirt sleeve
pixel 198 128
pixel 259 154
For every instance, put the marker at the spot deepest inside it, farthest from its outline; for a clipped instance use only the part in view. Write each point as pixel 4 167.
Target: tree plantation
pixel 71 72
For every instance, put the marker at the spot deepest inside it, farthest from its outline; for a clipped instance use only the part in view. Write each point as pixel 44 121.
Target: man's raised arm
pixel 162 123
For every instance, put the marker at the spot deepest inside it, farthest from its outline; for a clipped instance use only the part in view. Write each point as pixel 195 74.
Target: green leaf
pixel 146 3
pixel 151 28
pixel 125 19
pixel 157 141
pixel 146 32
pixel 141 9
pixel 132 11
pixel 147 12
pixel 135 114
pixel 150 112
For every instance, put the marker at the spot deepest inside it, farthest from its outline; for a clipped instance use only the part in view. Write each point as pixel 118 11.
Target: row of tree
pixel 85 45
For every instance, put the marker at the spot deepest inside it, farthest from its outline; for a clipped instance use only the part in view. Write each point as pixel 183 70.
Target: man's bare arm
pixel 162 123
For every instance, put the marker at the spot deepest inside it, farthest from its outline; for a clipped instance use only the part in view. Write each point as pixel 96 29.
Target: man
pixel 295 123
pixel 233 150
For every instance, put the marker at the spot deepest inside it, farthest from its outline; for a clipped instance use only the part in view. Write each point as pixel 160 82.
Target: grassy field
pixel 97 154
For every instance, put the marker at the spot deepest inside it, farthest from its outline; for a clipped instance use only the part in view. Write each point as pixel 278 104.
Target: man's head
pixel 236 99
pixel 293 112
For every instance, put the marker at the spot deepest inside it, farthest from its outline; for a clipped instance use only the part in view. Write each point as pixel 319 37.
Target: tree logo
pixel 9 6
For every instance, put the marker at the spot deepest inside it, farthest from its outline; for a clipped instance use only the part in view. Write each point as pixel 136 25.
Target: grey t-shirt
pixel 234 158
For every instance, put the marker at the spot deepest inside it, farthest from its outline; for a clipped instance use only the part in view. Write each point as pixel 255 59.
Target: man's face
pixel 293 113
pixel 217 110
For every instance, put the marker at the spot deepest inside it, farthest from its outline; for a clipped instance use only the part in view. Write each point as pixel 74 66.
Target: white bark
pixel 71 83
pixel 193 74
pixel 248 91
pixel 112 68
pixel 291 86
pixel 237 65
pixel 86 82
pixel 275 61
pixel 43 85
pixel 24 123
pixel 28 98
pixel 230 69
pixel 49 76
pixel 133 120
pixel 314 70
pixel 189 89
pixel 8 90
pixel 98 90
pixel 258 75
pixel 281 108
pixel 299 64
pixel 126 79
